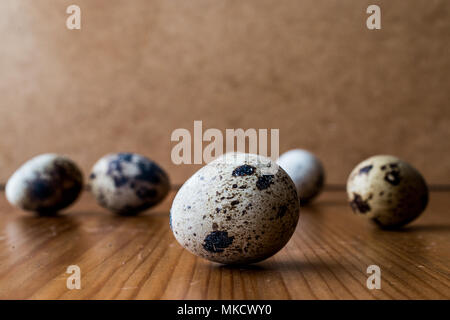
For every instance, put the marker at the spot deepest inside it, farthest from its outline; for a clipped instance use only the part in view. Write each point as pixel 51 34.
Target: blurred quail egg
pixel 387 190
pixel 127 183
pixel 46 184
pixel 306 170
pixel 238 209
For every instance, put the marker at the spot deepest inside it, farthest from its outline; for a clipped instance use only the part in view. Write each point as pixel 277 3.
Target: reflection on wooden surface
pixel 138 258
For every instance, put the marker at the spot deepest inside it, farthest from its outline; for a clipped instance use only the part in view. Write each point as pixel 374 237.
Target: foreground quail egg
pixel 387 190
pixel 46 184
pixel 239 209
pixel 307 172
pixel 128 183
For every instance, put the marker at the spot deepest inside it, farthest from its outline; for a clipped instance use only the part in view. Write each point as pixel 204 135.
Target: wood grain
pixel 138 258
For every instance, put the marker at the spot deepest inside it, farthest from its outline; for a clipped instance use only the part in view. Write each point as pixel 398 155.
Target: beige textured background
pixel 140 69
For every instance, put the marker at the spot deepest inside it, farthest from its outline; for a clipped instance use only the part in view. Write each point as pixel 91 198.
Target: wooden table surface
pixel 138 258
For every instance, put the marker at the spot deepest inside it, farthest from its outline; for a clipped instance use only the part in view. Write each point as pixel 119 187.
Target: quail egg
pixel 307 172
pixel 128 183
pixel 387 190
pixel 238 209
pixel 46 184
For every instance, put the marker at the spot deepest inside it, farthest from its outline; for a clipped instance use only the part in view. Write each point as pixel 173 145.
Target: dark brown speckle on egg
pixel 217 241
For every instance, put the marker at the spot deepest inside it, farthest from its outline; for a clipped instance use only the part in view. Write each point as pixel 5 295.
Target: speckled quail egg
pixel 387 190
pixel 307 172
pixel 46 184
pixel 238 209
pixel 128 183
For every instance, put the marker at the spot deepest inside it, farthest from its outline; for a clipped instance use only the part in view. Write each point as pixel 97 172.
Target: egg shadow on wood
pixel 322 202
pixel 434 228
pixel 143 219
pixel 60 219
pixel 310 209
pixel 108 214
pixel 39 227
pixel 282 266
